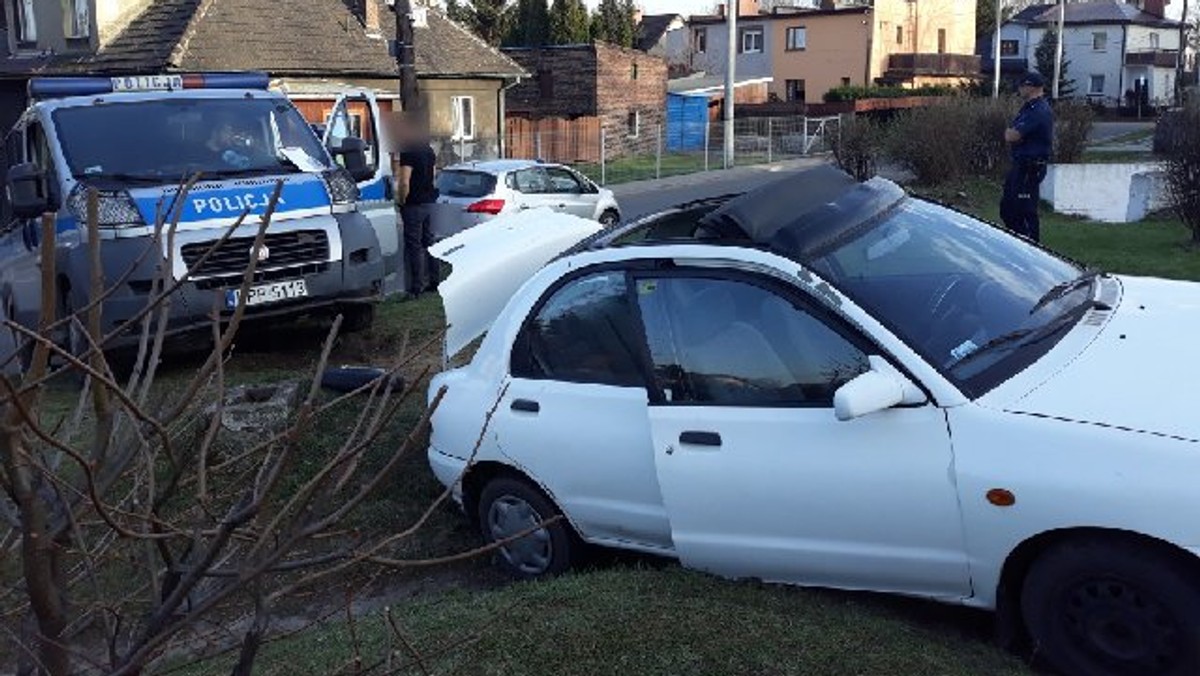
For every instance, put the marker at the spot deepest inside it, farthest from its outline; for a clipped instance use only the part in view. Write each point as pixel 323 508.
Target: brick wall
pixel 630 84
pixel 563 82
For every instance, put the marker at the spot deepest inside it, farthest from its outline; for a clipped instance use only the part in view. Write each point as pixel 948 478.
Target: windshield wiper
pixel 1033 334
pixel 1060 290
pixel 122 178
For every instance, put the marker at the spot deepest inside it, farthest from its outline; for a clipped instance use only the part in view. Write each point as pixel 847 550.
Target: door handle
pixel 524 207
pixel 526 406
pixel 700 439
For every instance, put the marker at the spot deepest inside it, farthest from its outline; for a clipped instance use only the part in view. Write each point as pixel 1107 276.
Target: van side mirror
pixel 28 191
pixel 351 153
pixel 878 389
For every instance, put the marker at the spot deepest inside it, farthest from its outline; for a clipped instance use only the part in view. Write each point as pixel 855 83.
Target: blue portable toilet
pixel 687 118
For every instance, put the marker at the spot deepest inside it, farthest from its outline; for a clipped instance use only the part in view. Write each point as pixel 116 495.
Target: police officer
pixel 1032 139
pixel 416 193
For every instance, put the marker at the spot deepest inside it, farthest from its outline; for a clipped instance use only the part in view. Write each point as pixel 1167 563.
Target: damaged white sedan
pixel 836 384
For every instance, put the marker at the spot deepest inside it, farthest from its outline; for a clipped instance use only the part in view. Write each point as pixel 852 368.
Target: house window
pixel 546 84
pixel 633 74
pixel 25 25
pixel 795 90
pixel 1099 42
pixel 1096 84
pixel 941 41
pixel 752 40
pixel 633 124
pixel 1009 48
pixel 797 39
pixel 1154 41
pixel 75 19
pixel 464 117
pixel 700 40
pixel 845 82
pixel 900 35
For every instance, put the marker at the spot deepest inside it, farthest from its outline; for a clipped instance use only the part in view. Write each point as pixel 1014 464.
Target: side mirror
pixel 879 389
pixel 352 154
pixel 28 191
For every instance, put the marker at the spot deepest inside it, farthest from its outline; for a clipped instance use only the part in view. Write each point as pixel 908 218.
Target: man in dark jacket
pixel 1032 139
pixel 416 194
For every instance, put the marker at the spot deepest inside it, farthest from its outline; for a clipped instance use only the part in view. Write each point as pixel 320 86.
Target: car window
pixel 731 342
pixel 531 181
pixel 457 183
pixel 562 181
pixel 583 333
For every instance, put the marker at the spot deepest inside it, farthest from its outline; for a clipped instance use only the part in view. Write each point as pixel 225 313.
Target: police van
pixel 135 140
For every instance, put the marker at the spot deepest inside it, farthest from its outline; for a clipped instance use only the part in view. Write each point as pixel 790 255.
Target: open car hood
pixel 492 260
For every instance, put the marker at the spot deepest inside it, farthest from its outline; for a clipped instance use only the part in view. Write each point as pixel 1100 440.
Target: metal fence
pixel 656 151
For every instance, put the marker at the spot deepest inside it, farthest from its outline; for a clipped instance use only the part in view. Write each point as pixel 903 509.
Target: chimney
pixel 721 10
pixel 370 17
pixel 1156 8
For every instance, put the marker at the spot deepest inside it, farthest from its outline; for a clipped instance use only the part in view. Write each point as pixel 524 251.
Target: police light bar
pixel 43 88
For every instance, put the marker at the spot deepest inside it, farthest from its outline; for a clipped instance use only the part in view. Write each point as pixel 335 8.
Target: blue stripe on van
pixel 229 200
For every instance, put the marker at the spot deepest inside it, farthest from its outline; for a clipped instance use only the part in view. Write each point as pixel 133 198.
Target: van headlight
pixel 343 191
pixel 115 208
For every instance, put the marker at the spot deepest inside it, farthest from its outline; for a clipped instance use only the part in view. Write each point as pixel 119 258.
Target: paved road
pixel 647 197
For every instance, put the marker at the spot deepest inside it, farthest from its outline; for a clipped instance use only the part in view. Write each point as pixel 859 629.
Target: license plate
pixel 144 83
pixel 268 293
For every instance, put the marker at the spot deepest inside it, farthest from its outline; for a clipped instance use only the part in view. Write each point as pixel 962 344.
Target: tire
pixel 346 379
pixel 1112 607
pixel 610 219
pixel 510 506
pixel 358 318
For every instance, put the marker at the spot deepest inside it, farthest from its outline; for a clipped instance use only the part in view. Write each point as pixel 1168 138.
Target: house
pixel 1115 50
pixel 666 35
pixel 808 51
pixel 314 50
pixel 580 94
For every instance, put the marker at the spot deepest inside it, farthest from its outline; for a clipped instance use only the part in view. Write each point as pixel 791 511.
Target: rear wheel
pixel 509 507
pixel 1114 608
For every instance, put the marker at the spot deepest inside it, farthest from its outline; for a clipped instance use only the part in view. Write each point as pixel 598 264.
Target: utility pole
pixel 731 12
pixel 996 50
pixel 1179 57
pixel 1058 53
pixel 404 54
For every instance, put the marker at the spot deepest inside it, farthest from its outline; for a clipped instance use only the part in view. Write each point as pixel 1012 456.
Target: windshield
pixel 457 183
pixel 977 303
pixel 168 140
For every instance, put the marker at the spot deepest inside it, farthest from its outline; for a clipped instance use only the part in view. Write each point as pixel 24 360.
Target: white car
pixel 480 191
pixel 836 384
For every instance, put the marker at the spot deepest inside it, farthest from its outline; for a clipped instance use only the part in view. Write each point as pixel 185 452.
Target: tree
pixel 531 26
pixel 614 22
pixel 569 23
pixel 985 17
pixel 489 19
pixel 1181 132
pixel 1045 56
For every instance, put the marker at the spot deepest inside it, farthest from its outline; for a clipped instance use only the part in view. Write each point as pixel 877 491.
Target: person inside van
pixel 230 144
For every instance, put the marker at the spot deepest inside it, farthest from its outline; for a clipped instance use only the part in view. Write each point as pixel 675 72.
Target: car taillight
pixel 489 207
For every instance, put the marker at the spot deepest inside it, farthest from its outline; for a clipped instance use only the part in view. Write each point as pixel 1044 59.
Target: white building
pixel 1115 50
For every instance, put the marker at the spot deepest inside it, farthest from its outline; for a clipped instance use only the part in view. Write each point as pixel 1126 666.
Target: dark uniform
pixel 417 214
pixel 1030 155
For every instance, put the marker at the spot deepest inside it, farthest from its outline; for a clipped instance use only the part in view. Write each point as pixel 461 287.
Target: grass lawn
pixel 1096 156
pixel 635 621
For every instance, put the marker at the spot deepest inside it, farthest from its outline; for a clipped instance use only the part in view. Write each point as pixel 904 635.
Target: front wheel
pixel 1114 608
pixel 610 219
pixel 510 507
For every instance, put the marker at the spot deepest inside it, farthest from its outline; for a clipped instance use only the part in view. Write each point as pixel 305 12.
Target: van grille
pixel 283 249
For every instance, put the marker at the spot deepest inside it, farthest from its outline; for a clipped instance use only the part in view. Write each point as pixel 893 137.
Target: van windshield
pixel 168 141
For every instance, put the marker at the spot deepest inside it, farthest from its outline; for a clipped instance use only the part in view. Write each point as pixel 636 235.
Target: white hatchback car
pixel 479 191
pixel 836 384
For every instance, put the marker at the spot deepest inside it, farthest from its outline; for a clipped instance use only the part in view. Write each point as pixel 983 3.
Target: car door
pixel 574 413
pixel 356 114
pixel 569 193
pixel 759 478
pixel 531 189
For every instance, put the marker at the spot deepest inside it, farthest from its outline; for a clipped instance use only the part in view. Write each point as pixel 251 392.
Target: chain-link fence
pixel 653 151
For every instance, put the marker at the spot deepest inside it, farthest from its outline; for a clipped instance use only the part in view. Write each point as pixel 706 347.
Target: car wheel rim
pixel 608 220
pixel 510 516
pixel 1122 625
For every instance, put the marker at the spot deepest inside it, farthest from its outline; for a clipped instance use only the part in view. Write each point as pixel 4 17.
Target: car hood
pixel 492 260
pixel 1138 373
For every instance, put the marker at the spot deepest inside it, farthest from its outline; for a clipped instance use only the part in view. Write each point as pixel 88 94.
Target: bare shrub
pixel 931 141
pixel 858 146
pixel 1183 167
pixel 1072 126
pixel 132 520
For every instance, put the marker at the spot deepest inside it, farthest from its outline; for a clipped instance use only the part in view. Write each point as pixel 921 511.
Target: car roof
pixel 499 166
pixel 138 97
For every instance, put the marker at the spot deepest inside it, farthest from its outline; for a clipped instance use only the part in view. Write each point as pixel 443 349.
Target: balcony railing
pixel 910 65
pixel 1159 58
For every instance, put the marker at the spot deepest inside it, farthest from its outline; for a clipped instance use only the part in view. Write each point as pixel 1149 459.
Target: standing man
pixel 416 195
pixel 1032 139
